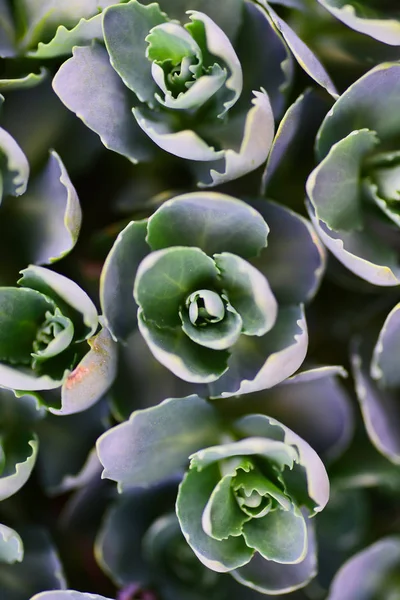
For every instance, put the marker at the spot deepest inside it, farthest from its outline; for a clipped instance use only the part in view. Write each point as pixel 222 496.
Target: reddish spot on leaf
pixel 76 376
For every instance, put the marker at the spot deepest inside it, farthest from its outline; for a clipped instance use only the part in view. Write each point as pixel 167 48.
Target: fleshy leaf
pixel 304 56
pixel 40 18
pixel 317 478
pixel 370 102
pixel 40 568
pixel 248 292
pixel 384 365
pixel 11 546
pixel 258 40
pixel 260 363
pixel 312 403
pixel 184 143
pixel 255 146
pixel 166 277
pixel 62 290
pixel 334 186
pixel 22 311
pixel 222 516
pixel 126 27
pixel 380 410
pixel 14 166
pixel 217 336
pixel 50 214
pixel 23 83
pixel 218 555
pixel 93 376
pixel 367 573
pixel 219 45
pixel 294 261
pixel 65 39
pixel 162 438
pixel 280 536
pixel 207 220
pixel 377 25
pixel 362 252
pixel 186 359
pixel 269 577
pixel 118 276
pixel 18 468
pixel 88 85
pixel 274 450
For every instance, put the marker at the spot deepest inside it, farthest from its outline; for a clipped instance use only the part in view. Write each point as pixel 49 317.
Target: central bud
pixel 205 307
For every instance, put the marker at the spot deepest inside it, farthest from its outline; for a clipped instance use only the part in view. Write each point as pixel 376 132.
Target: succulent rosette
pixel 201 85
pixel 217 297
pixel 379 19
pixel 49 340
pixel 372 573
pixel 244 503
pixel 354 191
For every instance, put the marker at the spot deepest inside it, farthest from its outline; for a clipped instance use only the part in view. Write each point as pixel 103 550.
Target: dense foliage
pixel 199 315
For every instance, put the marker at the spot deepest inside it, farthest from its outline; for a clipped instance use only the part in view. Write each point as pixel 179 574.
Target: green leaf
pixel 93 376
pixel 202 90
pixel 370 103
pixel 219 555
pixel 259 363
pixel 172 42
pixel 11 546
pixel 217 336
pixel 118 276
pixel 207 220
pixel 65 38
pixel 315 472
pixel 279 453
pixel 41 17
pixel 23 83
pixel 334 186
pixel 249 293
pixel 219 45
pixel 280 536
pixel 255 481
pixel 165 278
pixel 21 453
pixel 22 311
pixel 126 27
pixel 186 359
pixel 222 516
pixel 227 16
pixel 156 442
pixel 269 577
pixel 88 86
pixel 14 166
pixel 64 292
